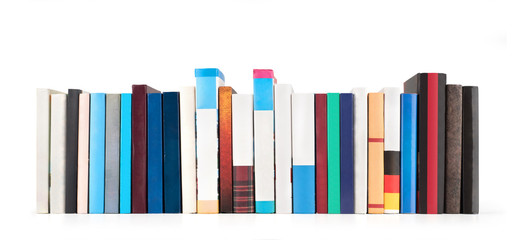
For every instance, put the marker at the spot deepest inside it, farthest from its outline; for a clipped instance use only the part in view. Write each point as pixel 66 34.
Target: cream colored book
pixel 57 152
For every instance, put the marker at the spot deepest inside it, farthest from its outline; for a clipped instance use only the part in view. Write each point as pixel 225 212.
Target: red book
pixel 321 154
pixel 225 153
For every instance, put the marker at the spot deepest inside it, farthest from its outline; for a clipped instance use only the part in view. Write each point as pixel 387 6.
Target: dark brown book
pixel 453 156
pixel 470 154
pixel 72 143
pixel 225 147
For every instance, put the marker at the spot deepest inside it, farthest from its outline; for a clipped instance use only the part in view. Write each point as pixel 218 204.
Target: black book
pixel 72 138
pixel 470 150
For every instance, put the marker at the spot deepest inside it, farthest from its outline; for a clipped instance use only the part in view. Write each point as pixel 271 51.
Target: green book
pixel 333 153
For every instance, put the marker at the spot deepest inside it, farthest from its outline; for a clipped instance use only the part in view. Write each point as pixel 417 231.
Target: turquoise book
pixel 125 153
pixel 97 147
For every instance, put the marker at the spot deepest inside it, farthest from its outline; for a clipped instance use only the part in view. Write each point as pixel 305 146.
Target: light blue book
pixel 97 147
pixel 408 142
pixel 125 153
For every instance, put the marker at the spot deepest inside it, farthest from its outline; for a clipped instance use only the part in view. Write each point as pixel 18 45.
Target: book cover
pixel 125 152
pixel 72 132
pixel 225 153
pixel 283 146
pixel 154 154
pixel 347 189
pixel 263 85
pixel 303 152
pixel 57 152
pixel 188 163
pixel 376 153
pixel 171 153
pixel 83 158
pixel 408 152
pixel 453 150
pixel 97 150
pixel 470 154
pixel 333 106
pixel 321 153
pixel 208 81
pixel 112 184
pixel 360 142
pixel 243 170
pixel 431 88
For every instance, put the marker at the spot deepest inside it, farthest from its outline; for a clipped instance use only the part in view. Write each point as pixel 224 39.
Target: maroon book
pixel 243 189
pixel 321 154
pixel 139 147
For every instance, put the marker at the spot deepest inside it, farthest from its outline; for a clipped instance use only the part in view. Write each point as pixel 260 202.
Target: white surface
pixel 207 155
pixel 317 46
pixel 303 129
pixel 391 111
pixel 242 120
pixel 57 152
pixel 188 163
pixel 360 148
pixel 264 155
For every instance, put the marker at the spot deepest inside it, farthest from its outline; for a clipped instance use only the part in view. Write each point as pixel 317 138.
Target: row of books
pixel 208 149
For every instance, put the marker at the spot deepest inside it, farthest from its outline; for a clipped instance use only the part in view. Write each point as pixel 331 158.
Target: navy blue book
pixel 171 153
pixel 154 154
pixel 347 195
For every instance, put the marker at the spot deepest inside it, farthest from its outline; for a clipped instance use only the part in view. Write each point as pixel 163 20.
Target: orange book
pixel 225 155
pixel 375 199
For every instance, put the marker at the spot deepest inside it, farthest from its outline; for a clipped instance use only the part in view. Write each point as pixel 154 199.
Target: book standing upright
pixel 408 153
pixel 125 152
pixel 171 153
pixel 376 148
pixel 225 150
pixel 188 163
pixel 112 184
pixel 360 142
pixel 83 158
pixel 347 190
pixel 333 152
pixel 57 152
pixel 72 124
pixel 97 151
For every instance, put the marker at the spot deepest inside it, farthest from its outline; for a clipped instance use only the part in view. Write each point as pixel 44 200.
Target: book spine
pixel 470 154
pixel 171 153
pixel 111 198
pixel 408 144
pixel 97 148
pixel 125 153
pixel 321 155
pixel 264 140
pixel 333 153
pixel 225 155
pixel 83 153
pixel 155 153
pixel 453 150
pixel 57 152
pixel 347 197
pixel 392 150
pixel 283 146
pixel 72 124
pixel 303 149
pixel 243 176
pixel 360 142
pixel 42 149
pixel 376 148
pixel 188 163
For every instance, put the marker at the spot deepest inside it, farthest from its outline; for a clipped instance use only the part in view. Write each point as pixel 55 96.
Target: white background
pixel 318 46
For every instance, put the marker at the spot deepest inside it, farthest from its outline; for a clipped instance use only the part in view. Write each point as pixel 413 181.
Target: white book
pixel 188 165
pixel 83 153
pixel 283 149
pixel 360 148
pixel 57 152
pixel 264 161
pixel 242 129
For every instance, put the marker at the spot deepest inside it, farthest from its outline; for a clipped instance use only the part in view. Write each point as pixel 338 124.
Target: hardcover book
pixel 112 184
pixel 171 153
pixel 347 190
pixel 470 150
pixel 321 153
pixel 453 155
pixel 188 163
pixel 72 122
pixel 154 153
pixel 83 157
pixel 57 152
pixel 408 144
pixel 333 153
pixel 97 150
pixel 125 152
pixel 376 153
pixel 360 142
pixel 225 153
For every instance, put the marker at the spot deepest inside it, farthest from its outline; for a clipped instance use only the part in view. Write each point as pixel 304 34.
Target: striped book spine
pixel 375 165
pixel 83 147
pixel 243 172
pixel 97 150
pixel 347 197
pixel 171 153
pixel 57 152
pixel 453 157
pixel 188 163
pixel 303 152
pixel 225 155
pixel 321 155
pixel 72 132
pixel 125 153
pixel 154 153
pixel 112 184
pixel 360 143
pixel 408 144
pixel 208 81
pixel 333 153
pixel 470 141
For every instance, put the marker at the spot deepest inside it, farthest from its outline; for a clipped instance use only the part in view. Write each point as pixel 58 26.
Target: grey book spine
pixel 453 148
pixel 112 153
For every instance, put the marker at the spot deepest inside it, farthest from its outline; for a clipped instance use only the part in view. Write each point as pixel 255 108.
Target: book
pixel 57 152
pixel 171 153
pixel 283 146
pixel 303 152
pixel 243 170
pixel 360 142
pixel 470 154
pixel 347 189
pixel 188 163
pixel 208 81
pixel 333 106
pixel 376 152
pixel 263 85
pixel 97 150
pixel 112 184
pixel 154 154
pixel 125 152
pixel 139 147
pixel 453 150
pixel 321 153
pixel 72 132
pixel 392 149
pixel 225 153
pixel 43 148
pixel 83 147
pixel 408 153
pixel 431 88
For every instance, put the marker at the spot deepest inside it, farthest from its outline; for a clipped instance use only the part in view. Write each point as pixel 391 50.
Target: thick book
pixel 321 153
pixel 347 189
pixel 125 153
pixel 154 154
pixel 392 149
pixel 208 81
pixel 72 132
pixel 453 150
pixel 112 184
pixel 97 150
pixel 139 147
pixel 283 146
pixel 171 153
pixel 243 170
pixel 57 152
pixel 303 152
pixel 470 154
pixel 188 162
pixel 408 153
pixel 431 88
pixel 333 105
pixel 375 201
pixel 360 142
pixel 263 85
pixel 225 153
pixel 83 156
